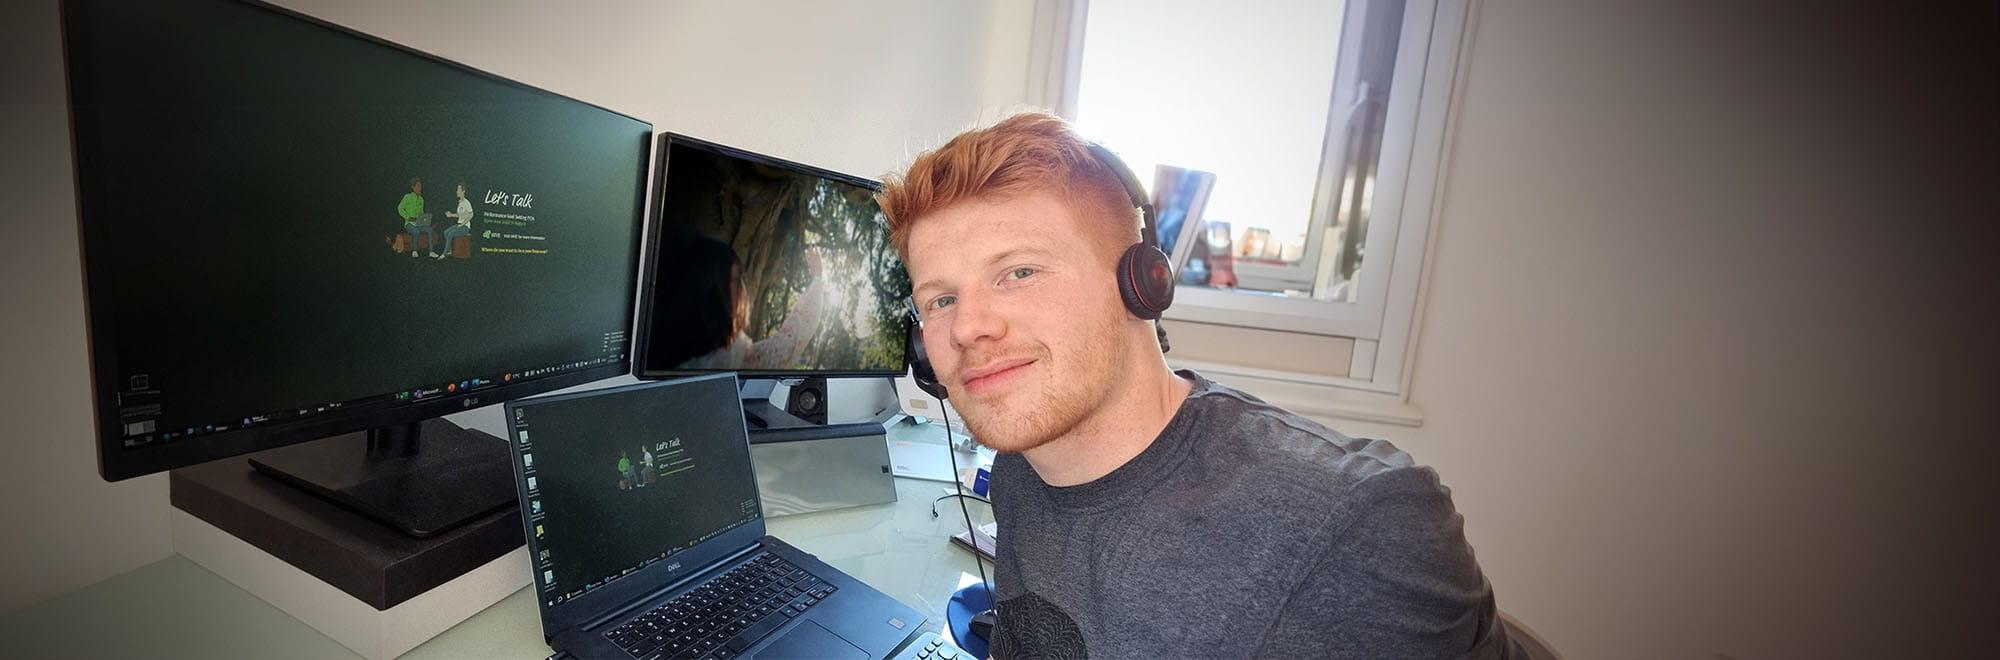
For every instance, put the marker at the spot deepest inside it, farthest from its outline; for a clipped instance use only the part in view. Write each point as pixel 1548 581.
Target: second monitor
pixel 768 268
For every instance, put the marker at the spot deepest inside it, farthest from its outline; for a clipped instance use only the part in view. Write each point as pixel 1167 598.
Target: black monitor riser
pixel 421 479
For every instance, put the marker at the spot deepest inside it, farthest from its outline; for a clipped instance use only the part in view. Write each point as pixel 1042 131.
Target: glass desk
pixel 174 608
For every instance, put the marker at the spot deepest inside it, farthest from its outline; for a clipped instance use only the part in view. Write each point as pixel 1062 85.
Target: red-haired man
pixel 1146 512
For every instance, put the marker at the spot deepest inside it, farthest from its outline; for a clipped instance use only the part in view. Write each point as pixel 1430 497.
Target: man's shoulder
pixel 1241 429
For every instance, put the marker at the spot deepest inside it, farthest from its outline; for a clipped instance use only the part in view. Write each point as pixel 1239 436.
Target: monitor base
pixel 452 477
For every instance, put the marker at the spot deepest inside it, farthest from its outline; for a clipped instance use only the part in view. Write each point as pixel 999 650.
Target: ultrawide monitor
pixel 291 230
pixel 767 267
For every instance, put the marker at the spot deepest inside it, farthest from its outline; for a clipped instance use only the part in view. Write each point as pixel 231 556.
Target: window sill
pixel 1312 395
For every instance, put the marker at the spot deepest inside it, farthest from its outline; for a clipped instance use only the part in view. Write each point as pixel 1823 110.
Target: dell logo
pixel 673 567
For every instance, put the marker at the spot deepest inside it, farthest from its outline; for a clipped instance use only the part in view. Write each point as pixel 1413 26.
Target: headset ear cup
pixel 1145 282
pixel 920 364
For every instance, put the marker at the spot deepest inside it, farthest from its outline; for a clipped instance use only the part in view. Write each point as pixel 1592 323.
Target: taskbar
pixel 147 432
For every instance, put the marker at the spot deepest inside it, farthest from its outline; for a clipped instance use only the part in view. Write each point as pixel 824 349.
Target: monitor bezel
pixel 117 462
pixel 655 228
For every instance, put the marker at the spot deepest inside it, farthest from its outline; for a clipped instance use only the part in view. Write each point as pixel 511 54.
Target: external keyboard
pixel 725 615
pixel 931 646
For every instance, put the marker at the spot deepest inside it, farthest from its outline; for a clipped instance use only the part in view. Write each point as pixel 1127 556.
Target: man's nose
pixel 974 319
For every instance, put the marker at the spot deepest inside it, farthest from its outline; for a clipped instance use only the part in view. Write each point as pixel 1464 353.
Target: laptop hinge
pixel 642 601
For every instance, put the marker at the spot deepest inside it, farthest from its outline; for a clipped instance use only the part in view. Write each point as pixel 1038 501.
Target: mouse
pixel 982 624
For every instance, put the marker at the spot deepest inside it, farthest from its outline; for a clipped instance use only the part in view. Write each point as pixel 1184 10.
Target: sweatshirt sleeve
pixel 1396 580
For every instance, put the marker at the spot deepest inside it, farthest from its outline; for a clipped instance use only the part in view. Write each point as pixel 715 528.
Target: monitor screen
pixel 768 267
pixel 292 230
pixel 614 480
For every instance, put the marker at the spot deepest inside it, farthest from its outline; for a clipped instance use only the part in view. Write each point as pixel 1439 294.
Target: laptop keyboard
pixel 726 614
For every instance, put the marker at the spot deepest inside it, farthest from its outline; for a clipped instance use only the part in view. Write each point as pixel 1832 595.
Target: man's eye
pixel 942 302
pixel 1019 273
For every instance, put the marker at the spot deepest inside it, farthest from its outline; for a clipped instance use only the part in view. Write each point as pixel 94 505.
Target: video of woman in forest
pixel 772 269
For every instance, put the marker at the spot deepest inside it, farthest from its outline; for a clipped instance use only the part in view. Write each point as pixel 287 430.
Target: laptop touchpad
pixel 810 640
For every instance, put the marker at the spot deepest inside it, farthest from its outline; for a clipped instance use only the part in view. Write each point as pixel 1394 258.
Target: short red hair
pixel 1027 153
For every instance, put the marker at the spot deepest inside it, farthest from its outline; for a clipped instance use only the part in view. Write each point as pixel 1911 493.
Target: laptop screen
pixel 618 479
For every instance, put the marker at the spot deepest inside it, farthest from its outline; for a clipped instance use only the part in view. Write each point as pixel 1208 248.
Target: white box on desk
pixel 372 633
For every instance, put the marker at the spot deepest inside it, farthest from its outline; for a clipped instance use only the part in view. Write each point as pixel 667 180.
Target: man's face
pixel 417 187
pixel 1021 315
pixel 461 192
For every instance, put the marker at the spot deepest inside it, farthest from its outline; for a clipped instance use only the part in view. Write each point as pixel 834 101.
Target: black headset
pixel 1145 277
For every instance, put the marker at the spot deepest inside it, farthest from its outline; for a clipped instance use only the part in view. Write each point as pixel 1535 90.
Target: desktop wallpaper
pixel 281 216
pixel 624 478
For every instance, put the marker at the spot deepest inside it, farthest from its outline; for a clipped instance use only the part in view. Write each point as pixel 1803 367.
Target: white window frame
pixel 1384 318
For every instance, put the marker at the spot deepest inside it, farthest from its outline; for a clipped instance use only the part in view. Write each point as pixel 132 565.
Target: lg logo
pixel 469 402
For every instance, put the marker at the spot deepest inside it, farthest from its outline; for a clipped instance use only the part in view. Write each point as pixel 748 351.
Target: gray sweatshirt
pixel 1243 531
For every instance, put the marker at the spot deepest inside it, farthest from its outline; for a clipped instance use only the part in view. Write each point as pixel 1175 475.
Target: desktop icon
pixel 528 460
pixel 549 576
pixel 545 555
pixel 536 505
pixel 538 531
pixel 531 483
pixel 524 437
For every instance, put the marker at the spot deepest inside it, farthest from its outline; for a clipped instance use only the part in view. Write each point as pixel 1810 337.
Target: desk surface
pixel 176 609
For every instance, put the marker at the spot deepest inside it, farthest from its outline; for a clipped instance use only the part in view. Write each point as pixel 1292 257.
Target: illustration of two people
pixel 635 476
pixel 416 222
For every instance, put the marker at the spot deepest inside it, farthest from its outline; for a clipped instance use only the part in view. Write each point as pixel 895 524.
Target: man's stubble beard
pixel 1071 387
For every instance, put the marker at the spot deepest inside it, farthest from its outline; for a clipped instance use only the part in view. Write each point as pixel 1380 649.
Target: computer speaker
pixel 807 400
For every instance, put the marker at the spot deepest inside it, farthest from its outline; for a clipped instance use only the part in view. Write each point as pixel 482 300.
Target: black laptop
pixel 647 540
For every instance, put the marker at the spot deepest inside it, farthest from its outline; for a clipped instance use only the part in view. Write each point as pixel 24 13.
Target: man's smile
pixel 995 375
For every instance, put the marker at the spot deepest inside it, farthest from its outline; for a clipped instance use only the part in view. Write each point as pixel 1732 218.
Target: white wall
pixel 1699 340
pixel 855 86
pixel 63 525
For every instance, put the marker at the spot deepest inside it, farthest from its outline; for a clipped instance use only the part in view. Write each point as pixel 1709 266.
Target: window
pixel 1323 124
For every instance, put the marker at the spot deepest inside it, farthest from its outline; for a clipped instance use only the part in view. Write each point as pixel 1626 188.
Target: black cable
pixel 969 496
pixel 970 535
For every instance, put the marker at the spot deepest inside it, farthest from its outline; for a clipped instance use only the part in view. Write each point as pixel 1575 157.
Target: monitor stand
pixel 421 478
pixel 759 414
